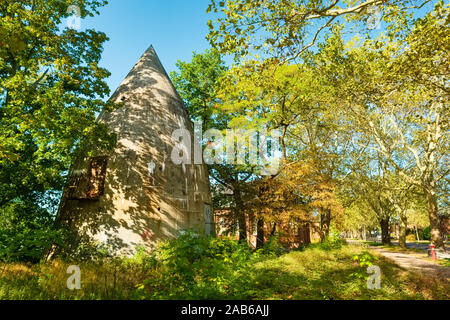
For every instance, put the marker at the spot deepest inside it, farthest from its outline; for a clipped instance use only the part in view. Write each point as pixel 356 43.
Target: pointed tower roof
pixel 147 73
pixel 147 85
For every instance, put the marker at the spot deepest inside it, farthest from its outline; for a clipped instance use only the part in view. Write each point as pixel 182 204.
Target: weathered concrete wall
pixel 146 196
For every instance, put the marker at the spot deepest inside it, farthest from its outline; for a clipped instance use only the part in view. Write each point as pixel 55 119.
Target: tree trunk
pixel 436 235
pixel 307 234
pixel 283 144
pixel 274 228
pixel 402 235
pixel 240 214
pixel 417 233
pixel 397 229
pixel 242 228
pixel 325 219
pixel 260 234
pixel 385 236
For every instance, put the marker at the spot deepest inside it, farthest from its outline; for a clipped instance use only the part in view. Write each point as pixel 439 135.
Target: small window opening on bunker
pixel 89 183
pixel 96 180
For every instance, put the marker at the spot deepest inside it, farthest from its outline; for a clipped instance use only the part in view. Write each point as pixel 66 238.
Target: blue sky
pixel 175 28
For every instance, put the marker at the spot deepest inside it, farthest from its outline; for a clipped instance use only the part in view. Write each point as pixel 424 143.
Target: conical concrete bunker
pixel 136 195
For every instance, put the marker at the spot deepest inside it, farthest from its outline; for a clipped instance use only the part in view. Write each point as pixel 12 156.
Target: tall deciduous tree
pixel 290 98
pixel 51 88
pixel 197 82
pixel 402 118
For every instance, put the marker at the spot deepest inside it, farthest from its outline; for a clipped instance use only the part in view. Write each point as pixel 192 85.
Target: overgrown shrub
pixel 142 258
pixel 25 232
pixel 273 247
pixel 411 238
pixel 332 242
pixel 197 267
pixel 426 233
pixel 364 259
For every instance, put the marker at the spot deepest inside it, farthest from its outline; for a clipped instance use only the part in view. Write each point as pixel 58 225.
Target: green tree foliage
pixel 291 99
pixel 51 89
pixel 287 29
pixel 381 94
pixel 399 118
pixel 196 267
pixel 197 83
pixel 275 97
pixel 25 232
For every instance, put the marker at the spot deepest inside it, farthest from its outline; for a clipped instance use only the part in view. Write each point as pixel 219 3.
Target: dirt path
pixel 421 246
pixel 415 262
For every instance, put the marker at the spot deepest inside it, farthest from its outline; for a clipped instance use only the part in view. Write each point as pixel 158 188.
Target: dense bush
pixel 426 233
pixel 364 259
pixel 330 243
pixel 197 267
pixel 273 247
pixel 25 232
pixel 411 238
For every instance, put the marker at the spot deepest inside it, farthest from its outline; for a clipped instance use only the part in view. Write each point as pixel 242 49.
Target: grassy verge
pixel 442 262
pixel 109 280
pixel 319 274
pixel 315 273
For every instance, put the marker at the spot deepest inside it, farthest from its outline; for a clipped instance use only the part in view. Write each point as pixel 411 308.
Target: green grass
pixel 318 274
pixel 314 273
pixel 110 280
pixel 442 262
